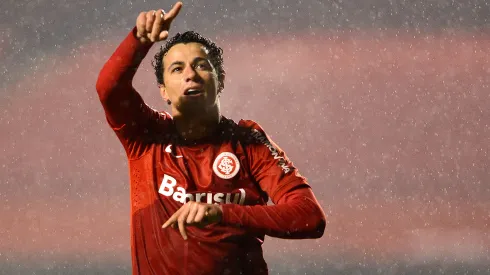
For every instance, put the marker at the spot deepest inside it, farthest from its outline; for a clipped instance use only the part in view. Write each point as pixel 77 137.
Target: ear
pixel 163 92
pixel 223 84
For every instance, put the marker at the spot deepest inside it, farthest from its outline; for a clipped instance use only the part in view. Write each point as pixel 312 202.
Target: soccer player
pixel 199 182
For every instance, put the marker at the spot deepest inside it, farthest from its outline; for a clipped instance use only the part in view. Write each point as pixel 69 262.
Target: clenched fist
pixel 153 26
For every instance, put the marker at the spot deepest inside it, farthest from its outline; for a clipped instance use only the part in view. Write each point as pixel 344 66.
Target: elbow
pixel 319 225
pixel 313 228
pixel 103 89
pixel 108 87
pixel 317 221
pixel 313 225
pixel 320 228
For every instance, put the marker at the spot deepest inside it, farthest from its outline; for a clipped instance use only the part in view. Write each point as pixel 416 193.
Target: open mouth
pixel 193 92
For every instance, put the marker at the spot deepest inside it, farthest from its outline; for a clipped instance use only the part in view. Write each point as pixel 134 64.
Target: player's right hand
pixel 194 213
pixel 153 26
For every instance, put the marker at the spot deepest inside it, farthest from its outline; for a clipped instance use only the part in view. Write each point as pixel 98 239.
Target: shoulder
pixel 250 124
pixel 254 134
pixel 253 131
pixel 159 128
pixel 162 120
pixel 248 131
pixel 262 147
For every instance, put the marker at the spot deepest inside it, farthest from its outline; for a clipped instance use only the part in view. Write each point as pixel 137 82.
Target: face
pixel 190 80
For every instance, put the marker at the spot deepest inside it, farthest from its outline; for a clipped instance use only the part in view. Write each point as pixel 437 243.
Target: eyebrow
pixel 175 63
pixel 197 59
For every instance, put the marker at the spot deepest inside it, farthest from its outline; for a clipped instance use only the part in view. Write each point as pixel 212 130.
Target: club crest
pixel 226 165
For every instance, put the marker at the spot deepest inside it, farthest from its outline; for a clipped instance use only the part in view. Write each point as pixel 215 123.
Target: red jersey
pixel 238 167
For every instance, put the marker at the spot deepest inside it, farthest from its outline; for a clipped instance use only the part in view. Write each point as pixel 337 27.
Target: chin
pixel 196 107
pixel 191 107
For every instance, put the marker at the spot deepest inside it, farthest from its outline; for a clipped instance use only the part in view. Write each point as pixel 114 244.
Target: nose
pixel 190 74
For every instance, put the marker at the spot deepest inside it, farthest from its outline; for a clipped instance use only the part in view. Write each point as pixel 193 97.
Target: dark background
pixel 382 105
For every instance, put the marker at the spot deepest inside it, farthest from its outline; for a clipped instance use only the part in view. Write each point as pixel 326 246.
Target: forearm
pixel 298 216
pixel 121 67
pixel 114 84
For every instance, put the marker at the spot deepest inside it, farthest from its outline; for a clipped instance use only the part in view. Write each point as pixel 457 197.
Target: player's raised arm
pixel 122 104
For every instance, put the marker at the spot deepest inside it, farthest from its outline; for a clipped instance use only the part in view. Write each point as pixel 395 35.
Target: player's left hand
pixel 196 214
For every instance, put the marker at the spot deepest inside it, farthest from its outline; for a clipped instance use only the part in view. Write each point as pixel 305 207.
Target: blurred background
pixel 382 104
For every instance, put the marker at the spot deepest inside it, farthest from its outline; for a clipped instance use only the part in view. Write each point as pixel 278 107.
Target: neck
pixel 197 126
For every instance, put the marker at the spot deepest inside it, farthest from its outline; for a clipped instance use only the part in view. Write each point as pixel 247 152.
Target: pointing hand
pixel 153 26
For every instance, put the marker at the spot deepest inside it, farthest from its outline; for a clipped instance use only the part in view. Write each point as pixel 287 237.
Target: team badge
pixel 226 165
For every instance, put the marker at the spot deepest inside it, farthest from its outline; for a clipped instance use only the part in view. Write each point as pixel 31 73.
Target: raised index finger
pixel 173 12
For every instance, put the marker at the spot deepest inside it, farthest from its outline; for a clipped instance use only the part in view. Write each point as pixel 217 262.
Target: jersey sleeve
pixel 270 165
pixel 125 110
pixel 296 213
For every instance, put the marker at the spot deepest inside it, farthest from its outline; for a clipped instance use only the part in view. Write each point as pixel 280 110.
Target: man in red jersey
pixel 199 181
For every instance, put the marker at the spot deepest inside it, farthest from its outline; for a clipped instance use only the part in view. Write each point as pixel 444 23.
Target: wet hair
pixel 215 54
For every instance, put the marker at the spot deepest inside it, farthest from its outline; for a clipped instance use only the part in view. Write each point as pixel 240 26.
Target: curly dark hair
pixel 215 55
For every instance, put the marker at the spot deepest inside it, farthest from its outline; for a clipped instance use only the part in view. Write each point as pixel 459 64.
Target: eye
pixel 176 69
pixel 203 66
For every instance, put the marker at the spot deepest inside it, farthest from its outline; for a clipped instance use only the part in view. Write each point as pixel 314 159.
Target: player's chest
pixel 200 168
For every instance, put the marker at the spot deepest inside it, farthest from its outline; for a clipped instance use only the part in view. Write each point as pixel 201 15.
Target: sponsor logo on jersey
pixel 226 165
pixel 168 188
pixel 281 162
